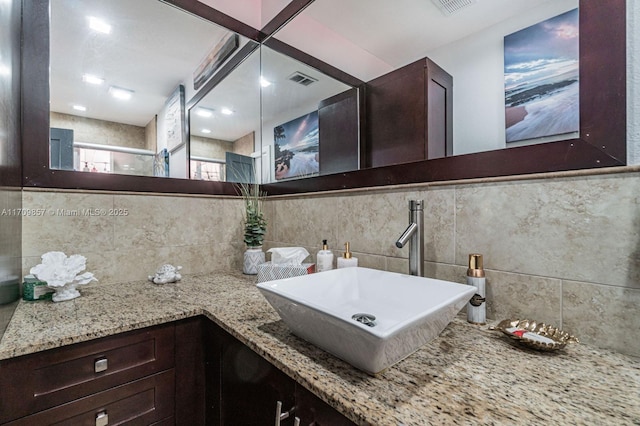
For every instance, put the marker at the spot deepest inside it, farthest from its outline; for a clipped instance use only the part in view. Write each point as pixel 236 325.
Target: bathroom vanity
pixel 211 350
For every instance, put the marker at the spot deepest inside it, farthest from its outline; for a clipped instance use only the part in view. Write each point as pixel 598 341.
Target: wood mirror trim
pixel 602 123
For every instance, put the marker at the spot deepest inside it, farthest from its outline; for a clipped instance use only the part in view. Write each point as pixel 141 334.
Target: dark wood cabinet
pixel 339 131
pixel 409 115
pixel 85 376
pixel 191 372
pixel 247 389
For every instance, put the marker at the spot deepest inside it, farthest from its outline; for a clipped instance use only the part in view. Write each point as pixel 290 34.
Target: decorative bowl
pixel 535 335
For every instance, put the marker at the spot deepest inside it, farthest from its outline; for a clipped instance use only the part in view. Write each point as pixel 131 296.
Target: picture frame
pixel 296 146
pixel 541 72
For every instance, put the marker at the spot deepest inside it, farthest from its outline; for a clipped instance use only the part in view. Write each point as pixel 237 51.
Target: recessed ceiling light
pixel 264 82
pixel 99 25
pixel 204 112
pixel 206 131
pixel 92 79
pixel 79 108
pixel 226 111
pixel 120 93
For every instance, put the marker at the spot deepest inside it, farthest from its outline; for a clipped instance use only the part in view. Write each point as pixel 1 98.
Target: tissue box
pixel 268 271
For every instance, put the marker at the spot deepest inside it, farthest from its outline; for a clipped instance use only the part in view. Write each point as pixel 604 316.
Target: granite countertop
pixel 468 375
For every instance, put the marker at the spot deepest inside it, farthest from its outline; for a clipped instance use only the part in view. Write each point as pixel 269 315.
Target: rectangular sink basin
pixel 368 318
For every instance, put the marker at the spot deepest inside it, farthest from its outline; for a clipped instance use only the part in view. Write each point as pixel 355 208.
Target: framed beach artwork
pixel 296 147
pixel 541 79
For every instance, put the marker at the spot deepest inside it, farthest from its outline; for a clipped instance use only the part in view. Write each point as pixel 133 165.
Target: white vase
pixel 253 257
pixel 66 292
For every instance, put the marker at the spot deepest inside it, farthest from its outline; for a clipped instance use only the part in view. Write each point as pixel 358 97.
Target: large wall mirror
pixel 259 113
pixel 120 73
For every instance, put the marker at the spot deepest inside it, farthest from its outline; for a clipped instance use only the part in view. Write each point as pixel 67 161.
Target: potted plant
pixel 255 226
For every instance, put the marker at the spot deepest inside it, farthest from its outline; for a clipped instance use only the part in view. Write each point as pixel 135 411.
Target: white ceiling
pixel 154 47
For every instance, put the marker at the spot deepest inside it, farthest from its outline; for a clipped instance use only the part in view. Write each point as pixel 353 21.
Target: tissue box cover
pixel 268 271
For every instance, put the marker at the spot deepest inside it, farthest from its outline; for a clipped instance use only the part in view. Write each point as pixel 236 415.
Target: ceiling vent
pixel 449 7
pixel 300 78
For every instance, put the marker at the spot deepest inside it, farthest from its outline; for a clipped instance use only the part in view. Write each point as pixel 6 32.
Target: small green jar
pixel 34 289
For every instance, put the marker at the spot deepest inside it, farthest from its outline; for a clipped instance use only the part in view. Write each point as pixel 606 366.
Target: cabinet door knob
pixel 102 418
pixel 101 364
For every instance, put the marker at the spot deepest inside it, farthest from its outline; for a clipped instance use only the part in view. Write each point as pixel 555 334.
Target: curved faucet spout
pixel 407 234
pixel 414 235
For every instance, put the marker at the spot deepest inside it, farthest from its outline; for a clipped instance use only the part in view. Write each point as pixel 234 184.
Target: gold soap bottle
pixel 347 260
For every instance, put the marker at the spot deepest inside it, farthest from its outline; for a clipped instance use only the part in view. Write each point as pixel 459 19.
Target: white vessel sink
pixel 409 311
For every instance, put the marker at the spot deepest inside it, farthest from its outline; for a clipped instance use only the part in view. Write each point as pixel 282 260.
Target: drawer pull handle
pixel 102 418
pixel 280 415
pixel 101 365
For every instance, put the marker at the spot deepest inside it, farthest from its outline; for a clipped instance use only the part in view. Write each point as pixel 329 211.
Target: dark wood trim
pixel 200 9
pixel 299 55
pixel 11 165
pixel 565 155
pixel 603 76
pixel 290 11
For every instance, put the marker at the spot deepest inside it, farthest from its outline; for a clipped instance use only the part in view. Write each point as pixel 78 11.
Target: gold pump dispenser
pixel 475 266
pixel 347 253
pixel 347 259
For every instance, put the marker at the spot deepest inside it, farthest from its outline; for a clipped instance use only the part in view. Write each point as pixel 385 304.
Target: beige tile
pixel 579 229
pixel 439 221
pixel 306 222
pixel 397 264
pixel 520 296
pixel 447 272
pixel 603 316
pixel 66 224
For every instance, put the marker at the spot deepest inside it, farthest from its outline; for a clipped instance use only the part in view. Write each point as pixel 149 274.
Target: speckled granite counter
pixel 468 375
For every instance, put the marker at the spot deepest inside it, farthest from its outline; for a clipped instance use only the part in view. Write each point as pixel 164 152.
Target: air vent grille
pixel 300 78
pixel 449 7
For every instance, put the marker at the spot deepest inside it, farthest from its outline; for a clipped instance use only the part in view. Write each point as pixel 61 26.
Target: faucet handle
pixel 415 205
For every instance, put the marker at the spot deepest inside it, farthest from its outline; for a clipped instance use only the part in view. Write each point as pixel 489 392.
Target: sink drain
pixel 366 319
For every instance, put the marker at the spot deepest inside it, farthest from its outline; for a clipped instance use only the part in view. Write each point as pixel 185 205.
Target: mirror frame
pixel 602 141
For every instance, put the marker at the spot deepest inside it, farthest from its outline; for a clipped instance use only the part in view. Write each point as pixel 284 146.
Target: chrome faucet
pixel 415 235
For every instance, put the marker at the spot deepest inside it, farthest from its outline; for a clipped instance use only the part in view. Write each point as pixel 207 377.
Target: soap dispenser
pixel 477 307
pixel 347 260
pixel 324 258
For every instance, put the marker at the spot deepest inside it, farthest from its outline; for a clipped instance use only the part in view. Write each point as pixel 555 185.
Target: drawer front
pixel 43 380
pixel 141 402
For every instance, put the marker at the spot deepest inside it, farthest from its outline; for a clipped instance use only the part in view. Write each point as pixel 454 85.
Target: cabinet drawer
pixel 141 402
pixel 46 379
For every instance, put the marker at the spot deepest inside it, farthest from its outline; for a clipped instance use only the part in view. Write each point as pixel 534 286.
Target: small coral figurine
pixel 166 274
pixel 63 274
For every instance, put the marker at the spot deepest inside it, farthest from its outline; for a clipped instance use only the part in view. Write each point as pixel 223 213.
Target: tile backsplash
pixel 563 250
pixel 127 236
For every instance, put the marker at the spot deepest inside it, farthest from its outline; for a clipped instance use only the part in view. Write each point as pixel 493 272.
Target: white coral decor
pixel 63 274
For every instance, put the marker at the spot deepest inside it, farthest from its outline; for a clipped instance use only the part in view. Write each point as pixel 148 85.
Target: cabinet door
pixel 250 386
pixel 339 127
pixel 311 410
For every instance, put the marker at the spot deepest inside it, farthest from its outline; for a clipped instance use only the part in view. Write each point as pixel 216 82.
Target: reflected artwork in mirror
pixel 309 120
pixel 601 141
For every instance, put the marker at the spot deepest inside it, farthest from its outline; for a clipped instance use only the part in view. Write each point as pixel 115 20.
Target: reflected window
pixel 207 170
